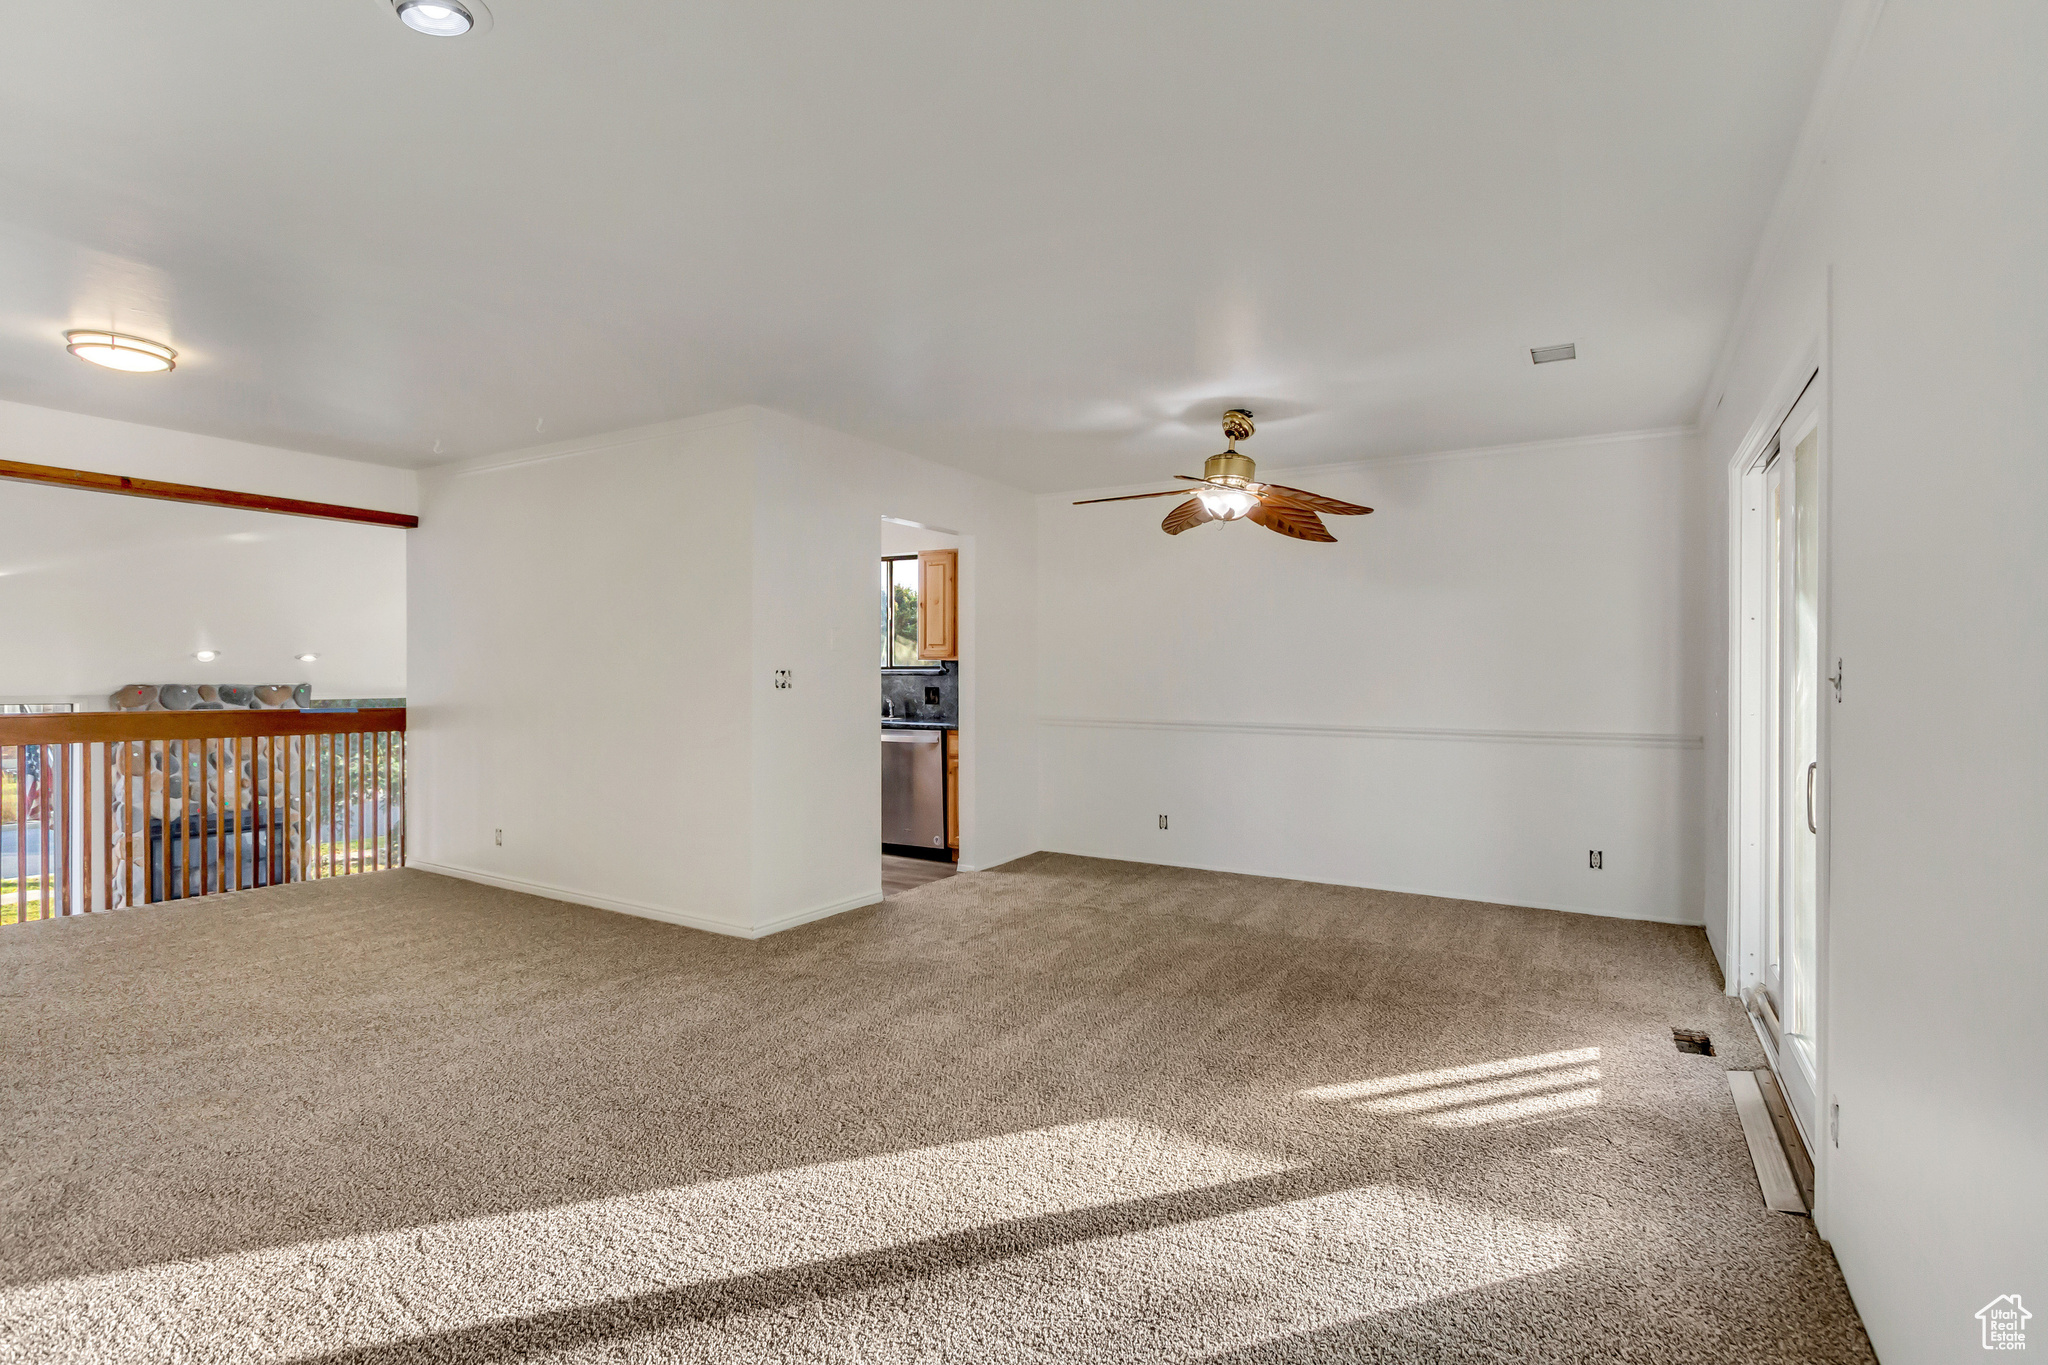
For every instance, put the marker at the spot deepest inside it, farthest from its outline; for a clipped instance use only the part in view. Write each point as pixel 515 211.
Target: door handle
pixel 1811 770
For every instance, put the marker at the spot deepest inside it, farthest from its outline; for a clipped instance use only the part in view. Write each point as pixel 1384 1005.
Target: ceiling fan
pixel 1228 492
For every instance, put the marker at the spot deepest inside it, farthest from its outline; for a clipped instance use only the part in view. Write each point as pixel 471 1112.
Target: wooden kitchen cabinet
pixel 953 792
pixel 938 604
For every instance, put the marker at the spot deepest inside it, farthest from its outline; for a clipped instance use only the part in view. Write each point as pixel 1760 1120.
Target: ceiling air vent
pixel 1543 355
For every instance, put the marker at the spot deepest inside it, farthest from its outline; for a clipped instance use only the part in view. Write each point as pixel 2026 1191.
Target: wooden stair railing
pixel 118 808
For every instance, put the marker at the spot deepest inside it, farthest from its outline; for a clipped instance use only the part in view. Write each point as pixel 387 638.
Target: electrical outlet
pixel 782 679
pixel 1162 822
pixel 500 837
pixel 1594 858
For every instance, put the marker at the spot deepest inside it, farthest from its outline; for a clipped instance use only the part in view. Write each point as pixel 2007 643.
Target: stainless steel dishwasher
pixel 914 788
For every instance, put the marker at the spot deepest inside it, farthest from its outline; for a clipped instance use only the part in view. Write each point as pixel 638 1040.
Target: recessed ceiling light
pixel 436 18
pixel 1543 355
pixel 307 658
pixel 118 352
pixel 207 656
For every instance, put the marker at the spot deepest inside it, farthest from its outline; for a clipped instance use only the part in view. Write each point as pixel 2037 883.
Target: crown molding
pixel 1611 739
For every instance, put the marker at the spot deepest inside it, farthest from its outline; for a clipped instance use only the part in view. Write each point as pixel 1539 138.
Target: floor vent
pixel 1693 1041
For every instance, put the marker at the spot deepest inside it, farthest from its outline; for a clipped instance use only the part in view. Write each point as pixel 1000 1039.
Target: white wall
pixel 820 496
pixel 98 591
pixel 1477 684
pixel 1915 249
pixel 595 630
pixel 580 632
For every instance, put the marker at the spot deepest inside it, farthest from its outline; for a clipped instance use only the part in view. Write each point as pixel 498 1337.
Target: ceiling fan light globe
pixel 1227 504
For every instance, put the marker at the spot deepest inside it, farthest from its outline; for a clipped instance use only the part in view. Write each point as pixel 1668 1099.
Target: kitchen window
pixel 899 616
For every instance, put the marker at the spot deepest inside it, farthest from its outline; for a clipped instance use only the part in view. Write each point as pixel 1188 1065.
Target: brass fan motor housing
pixel 1229 468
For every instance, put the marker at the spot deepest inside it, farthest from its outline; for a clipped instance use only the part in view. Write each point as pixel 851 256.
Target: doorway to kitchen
pixel 918 649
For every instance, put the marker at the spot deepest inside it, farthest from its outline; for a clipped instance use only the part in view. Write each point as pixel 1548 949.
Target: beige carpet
pixel 1065 1110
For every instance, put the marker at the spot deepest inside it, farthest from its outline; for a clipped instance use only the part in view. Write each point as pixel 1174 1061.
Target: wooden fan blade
pixel 1314 502
pixel 1291 521
pixel 1171 492
pixel 1189 513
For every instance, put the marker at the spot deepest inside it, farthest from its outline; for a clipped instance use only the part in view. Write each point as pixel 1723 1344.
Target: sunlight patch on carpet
pixel 382 1287
pixel 1470 1096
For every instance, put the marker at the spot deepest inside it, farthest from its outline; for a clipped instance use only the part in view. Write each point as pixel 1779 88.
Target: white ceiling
pixel 1045 242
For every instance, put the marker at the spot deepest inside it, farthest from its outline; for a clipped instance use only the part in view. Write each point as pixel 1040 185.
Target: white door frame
pixel 1747 814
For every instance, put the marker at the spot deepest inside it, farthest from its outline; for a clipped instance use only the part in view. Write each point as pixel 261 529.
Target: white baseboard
pixel 821 912
pixel 640 908
pixel 1399 890
pixel 563 893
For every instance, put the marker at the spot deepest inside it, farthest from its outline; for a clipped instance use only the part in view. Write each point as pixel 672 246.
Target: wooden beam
pixel 184 492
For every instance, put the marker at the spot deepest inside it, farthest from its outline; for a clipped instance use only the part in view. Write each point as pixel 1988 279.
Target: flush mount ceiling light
pixel 307 658
pixel 118 352
pixel 207 656
pixel 437 18
pixel 1227 493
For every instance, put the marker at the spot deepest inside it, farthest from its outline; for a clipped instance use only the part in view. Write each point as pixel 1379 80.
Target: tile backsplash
pixel 924 696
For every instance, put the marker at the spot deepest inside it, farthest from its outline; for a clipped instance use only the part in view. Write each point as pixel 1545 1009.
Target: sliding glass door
pixel 1785 988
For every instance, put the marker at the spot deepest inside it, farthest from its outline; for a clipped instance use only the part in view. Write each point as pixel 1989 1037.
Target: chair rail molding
pixel 1613 739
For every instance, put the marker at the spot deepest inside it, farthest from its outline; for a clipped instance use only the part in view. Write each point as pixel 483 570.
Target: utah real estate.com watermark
pixel 2005 1323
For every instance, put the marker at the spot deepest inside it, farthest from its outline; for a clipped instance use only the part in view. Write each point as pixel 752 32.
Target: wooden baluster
pixel 268 750
pixel 133 824
pixel 196 865
pixel 295 809
pixel 64 833
pixel 373 793
pixel 183 861
pixel 221 795
pixel 376 832
pixel 401 797
pixel 70 827
pixel 184 817
pixel 20 833
pixel 205 818
pixel 46 803
pixel 169 863
pixel 42 796
pixel 363 770
pixel 384 818
pixel 239 822
pixel 209 834
pixel 306 743
pixel 355 801
pixel 106 901
pixel 348 803
pixel 333 805
pixel 162 852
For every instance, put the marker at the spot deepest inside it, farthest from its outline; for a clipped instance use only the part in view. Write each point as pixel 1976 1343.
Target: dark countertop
pixel 888 724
